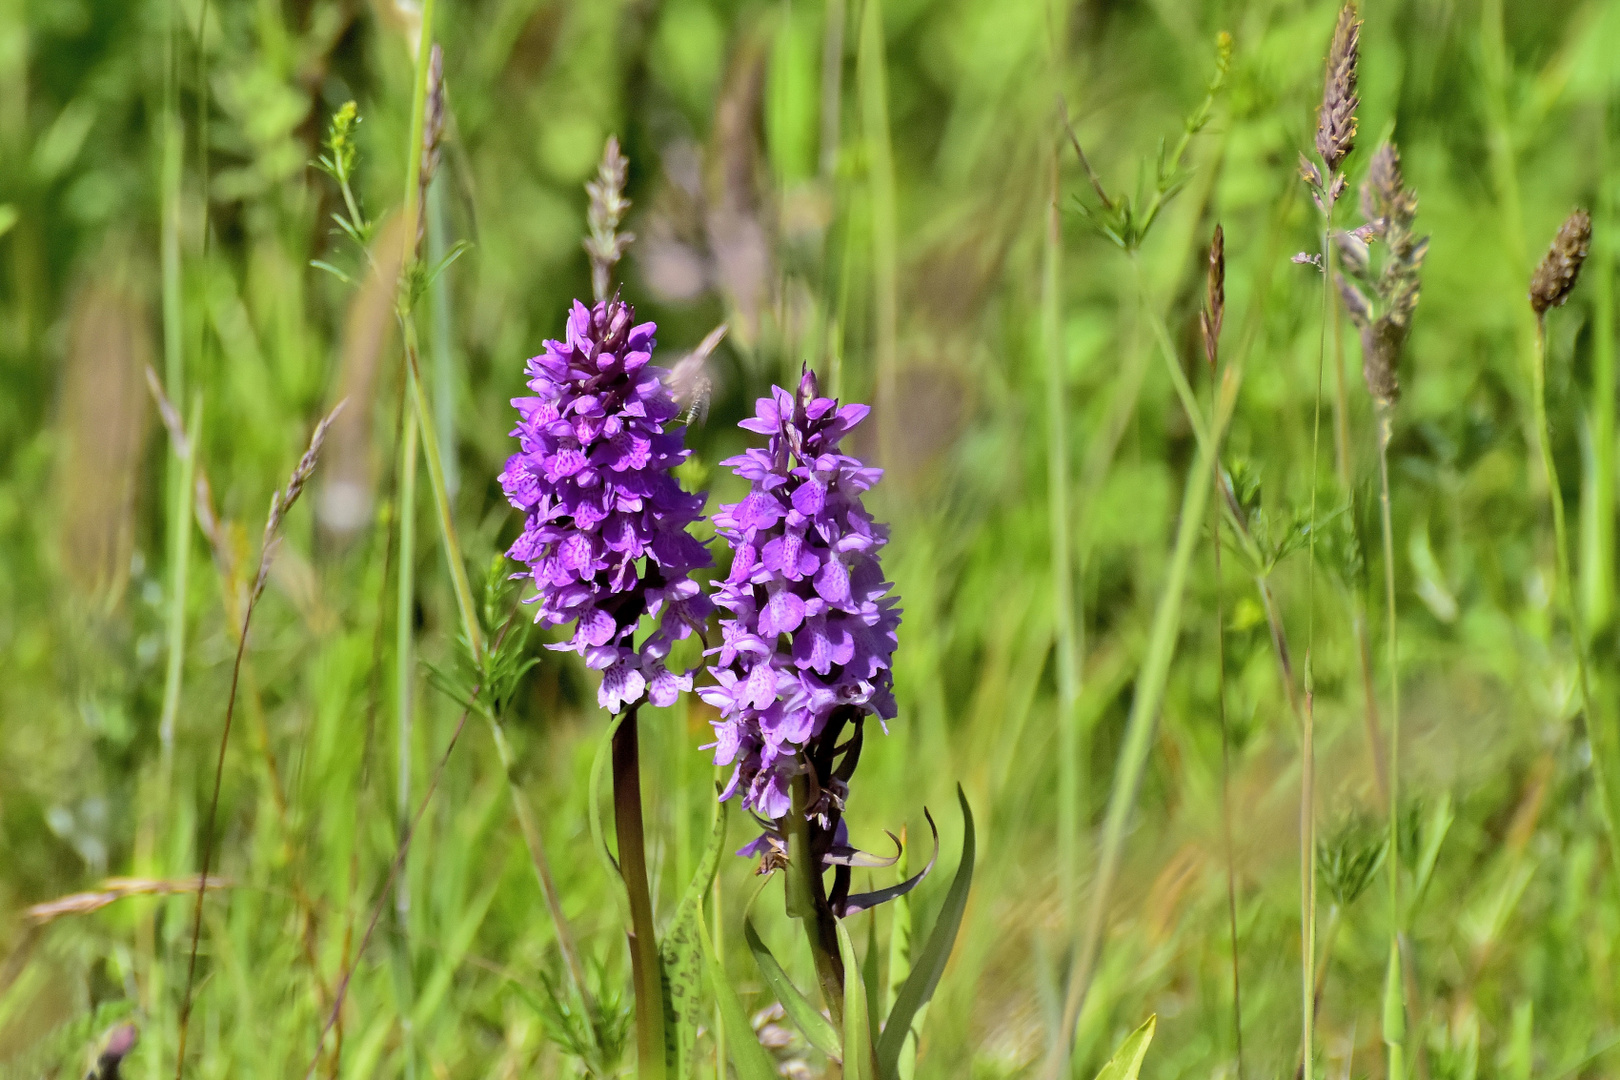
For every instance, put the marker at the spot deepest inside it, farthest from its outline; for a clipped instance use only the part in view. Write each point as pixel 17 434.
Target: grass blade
pixel 1126 1063
pixel 805 1016
pixel 930 963
pixel 750 1058
pixel 858 1061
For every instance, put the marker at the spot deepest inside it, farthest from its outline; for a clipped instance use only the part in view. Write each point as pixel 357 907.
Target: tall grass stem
pixel 1394 990
pixel 1138 737
pixel 1070 767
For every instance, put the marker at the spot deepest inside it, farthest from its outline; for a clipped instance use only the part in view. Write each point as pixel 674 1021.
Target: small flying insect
pixel 689 381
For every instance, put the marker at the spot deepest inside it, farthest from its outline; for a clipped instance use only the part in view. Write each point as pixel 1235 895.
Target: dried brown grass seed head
pixel 1555 278
pixel 1214 313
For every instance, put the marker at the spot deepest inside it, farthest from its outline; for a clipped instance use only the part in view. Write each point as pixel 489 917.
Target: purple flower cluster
pixel 810 627
pixel 605 524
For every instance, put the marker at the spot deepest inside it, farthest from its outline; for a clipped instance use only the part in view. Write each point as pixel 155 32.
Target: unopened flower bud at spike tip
pixel 1555 278
pixel 605 533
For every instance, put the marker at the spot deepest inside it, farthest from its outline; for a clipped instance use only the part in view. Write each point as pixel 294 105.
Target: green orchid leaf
pixel 805 1016
pixel 930 962
pixel 858 1061
pixel 682 956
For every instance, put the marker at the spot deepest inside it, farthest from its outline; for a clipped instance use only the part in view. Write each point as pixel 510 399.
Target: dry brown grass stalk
pixel 114 889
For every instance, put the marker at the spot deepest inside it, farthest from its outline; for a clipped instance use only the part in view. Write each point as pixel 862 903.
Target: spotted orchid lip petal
pixel 606 526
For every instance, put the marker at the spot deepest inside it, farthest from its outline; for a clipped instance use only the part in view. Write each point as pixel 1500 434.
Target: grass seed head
pixel 1214 313
pixel 1336 120
pixel 1555 278
pixel 432 135
pixel 1385 316
pixel 605 244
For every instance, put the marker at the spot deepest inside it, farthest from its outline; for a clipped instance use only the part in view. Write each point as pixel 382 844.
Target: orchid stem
pixel 644 961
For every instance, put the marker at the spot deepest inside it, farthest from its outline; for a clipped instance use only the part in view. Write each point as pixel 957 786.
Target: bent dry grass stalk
pixel 280 504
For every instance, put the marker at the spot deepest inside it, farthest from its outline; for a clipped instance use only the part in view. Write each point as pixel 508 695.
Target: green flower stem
pixel 404 706
pixel 441 500
pixel 180 566
pixel 644 962
pixel 807 901
pixel 1071 769
pixel 1600 738
pixel 1394 990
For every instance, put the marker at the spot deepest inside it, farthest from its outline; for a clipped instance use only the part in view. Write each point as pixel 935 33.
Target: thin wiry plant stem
pixel 1226 746
pixel 404 699
pixel 280 504
pixel 1394 1011
pixel 1307 785
pixel 1070 767
pixel 428 434
pixel 1566 586
pixel 535 843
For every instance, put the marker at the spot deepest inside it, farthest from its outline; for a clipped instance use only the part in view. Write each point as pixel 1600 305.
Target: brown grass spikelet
pixel 1384 318
pixel 432 135
pixel 1555 278
pixel 1336 120
pixel 283 500
pixel 1214 313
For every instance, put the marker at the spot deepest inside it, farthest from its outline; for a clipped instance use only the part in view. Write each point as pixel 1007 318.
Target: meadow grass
pixel 887 192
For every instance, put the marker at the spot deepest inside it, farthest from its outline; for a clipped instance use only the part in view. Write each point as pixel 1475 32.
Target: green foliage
pixel 907 253
pixel 1126 1064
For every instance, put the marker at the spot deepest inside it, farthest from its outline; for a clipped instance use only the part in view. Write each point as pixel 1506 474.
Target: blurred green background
pixel 862 185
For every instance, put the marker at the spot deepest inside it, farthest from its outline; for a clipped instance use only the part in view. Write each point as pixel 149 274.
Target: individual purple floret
pixel 810 627
pixel 605 524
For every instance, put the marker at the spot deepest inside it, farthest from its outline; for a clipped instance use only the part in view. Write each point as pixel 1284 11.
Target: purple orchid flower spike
pixel 809 624
pixel 605 531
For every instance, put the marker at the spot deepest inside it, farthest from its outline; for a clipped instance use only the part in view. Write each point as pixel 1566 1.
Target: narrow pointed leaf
pixel 750 1058
pixel 682 956
pixel 858 1060
pixel 1127 1060
pixel 805 1016
pixel 320 264
pixel 858 902
pixel 869 976
pixel 930 962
